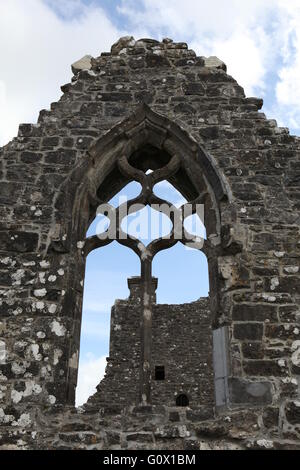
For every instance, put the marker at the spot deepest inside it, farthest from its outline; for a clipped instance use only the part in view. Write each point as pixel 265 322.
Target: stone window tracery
pixel 146 254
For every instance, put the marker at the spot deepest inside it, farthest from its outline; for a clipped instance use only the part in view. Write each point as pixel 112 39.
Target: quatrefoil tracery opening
pixel 146 223
pixel 147 197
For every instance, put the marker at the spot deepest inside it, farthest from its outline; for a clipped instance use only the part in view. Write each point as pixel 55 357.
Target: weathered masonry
pixel 181 359
pixel 229 376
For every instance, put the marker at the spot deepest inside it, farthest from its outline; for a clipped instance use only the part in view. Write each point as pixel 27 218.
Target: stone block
pixel 271 417
pixel 140 437
pixel 252 350
pixel 202 414
pixel 85 63
pixel 248 331
pixel 214 62
pixel 254 313
pixel 20 242
pixel 246 392
pixel 292 412
pixel 266 368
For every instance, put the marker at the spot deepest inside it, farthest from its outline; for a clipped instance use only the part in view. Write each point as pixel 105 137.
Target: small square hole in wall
pixel 159 373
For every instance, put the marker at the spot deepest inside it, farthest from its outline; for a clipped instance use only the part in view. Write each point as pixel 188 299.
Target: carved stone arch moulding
pixel 148 141
pixel 143 128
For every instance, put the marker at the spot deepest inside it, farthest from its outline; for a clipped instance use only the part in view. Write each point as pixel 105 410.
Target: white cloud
pixel 196 17
pixel 245 53
pixel 67 9
pixel 233 30
pixel 287 106
pixel 91 371
pixel 37 48
pixel 38 43
pixel 258 40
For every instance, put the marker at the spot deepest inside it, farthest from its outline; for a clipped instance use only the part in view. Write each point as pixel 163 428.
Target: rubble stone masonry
pixel 152 99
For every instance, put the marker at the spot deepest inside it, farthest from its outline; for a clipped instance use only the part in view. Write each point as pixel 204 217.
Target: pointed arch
pixel 148 141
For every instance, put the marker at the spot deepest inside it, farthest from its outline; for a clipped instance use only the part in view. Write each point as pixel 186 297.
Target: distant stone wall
pixel 181 343
pixel 121 382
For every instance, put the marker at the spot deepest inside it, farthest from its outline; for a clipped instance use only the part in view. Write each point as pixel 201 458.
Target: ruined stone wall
pixel 181 343
pixel 254 272
pixel 121 382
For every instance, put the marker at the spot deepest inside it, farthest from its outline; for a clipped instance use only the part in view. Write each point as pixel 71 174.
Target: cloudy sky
pixel 258 39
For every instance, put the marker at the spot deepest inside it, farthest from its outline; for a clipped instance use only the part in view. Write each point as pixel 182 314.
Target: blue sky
pixel 259 40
